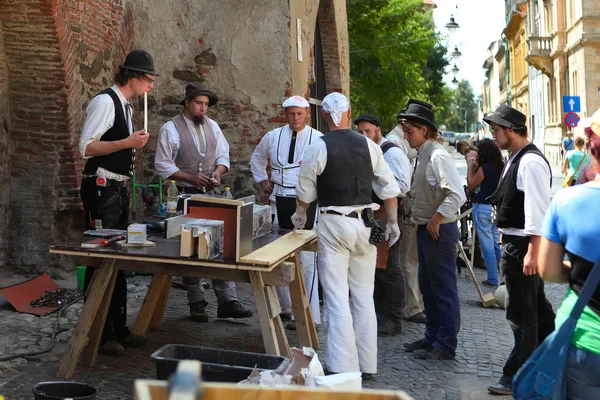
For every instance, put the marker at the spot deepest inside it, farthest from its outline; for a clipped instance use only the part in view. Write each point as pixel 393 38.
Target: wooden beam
pixel 280 249
pixel 153 295
pixel 267 328
pixel 161 304
pixel 99 285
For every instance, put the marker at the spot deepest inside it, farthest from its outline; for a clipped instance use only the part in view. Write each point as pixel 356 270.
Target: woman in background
pixel 483 173
pixel 571 226
pixel 575 159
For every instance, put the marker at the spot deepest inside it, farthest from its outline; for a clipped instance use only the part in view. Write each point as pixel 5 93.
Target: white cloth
pixel 100 117
pixel 275 146
pixel 347 264
pixel 335 104
pixel 442 173
pixel 314 162
pixel 396 135
pixel 399 165
pixel 533 178
pixel 168 146
pixel 296 101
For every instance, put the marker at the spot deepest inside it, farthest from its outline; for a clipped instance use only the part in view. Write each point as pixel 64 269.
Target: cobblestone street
pixel 484 342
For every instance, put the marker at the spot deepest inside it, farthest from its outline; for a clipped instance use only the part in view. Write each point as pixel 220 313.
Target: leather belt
pixel 107 183
pixel 353 214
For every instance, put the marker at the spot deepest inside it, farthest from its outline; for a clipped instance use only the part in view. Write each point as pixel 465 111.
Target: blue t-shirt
pixel 488 185
pixel 568 144
pixel 573 219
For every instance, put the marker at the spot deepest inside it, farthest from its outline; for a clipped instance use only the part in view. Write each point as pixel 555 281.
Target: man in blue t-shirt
pixel 567 143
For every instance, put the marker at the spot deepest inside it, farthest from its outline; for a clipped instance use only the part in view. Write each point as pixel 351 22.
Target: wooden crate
pixel 157 390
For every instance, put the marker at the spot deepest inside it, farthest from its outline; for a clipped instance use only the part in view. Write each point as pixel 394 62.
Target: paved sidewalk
pixel 484 341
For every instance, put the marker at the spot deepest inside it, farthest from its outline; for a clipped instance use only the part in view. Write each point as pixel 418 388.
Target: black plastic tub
pixel 217 365
pixel 64 390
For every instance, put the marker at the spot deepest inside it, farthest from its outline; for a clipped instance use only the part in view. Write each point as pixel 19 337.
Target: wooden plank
pixel 161 304
pixel 284 347
pixel 90 351
pixel 98 286
pixel 266 323
pixel 300 307
pixel 311 246
pixel 153 295
pixel 273 305
pixel 280 249
pixel 215 200
pixel 159 390
pixel 281 275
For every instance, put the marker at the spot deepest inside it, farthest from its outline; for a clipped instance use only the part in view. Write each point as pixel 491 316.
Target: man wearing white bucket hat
pixel 284 147
pixel 340 170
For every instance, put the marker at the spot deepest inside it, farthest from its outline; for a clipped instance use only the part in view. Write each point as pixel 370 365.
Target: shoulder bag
pixel 569 178
pixel 543 374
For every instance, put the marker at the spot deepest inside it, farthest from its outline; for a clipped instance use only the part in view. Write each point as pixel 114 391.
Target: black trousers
pixel 390 290
pixel 529 313
pixel 111 205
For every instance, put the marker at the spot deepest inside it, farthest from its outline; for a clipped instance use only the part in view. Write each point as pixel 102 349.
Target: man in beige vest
pixel 436 192
pixel 193 151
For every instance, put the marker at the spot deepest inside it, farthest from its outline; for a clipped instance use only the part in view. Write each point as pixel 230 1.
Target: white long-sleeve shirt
pixel 168 146
pixel 533 178
pixel 100 117
pixel 396 135
pixel 399 165
pixel 275 146
pixel 313 165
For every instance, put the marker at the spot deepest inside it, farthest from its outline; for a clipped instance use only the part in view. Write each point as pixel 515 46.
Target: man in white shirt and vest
pixel 436 193
pixel 389 282
pixel 520 202
pixel 108 143
pixel 284 147
pixel 340 170
pixel 193 151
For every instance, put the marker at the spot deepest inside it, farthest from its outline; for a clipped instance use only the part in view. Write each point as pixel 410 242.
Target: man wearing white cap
pixel 285 147
pixel 340 170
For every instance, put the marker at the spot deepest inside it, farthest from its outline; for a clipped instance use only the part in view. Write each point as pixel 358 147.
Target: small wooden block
pixel 123 243
pixel 488 300
pixel 189 245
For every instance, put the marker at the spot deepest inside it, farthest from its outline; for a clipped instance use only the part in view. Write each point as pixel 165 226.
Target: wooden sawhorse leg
pixel 154 304
pixel 268 310
pixel 99 285
pixel 305 325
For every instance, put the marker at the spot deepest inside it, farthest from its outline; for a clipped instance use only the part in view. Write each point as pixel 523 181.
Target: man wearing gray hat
pixel 108 143
pixel 193 151
pixel 520 202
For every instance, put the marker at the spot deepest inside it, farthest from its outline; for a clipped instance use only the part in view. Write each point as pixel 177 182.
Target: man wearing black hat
pixel 108 143
pixel 389 282
pixel 520 202
pixel 436 193
pixel 193 151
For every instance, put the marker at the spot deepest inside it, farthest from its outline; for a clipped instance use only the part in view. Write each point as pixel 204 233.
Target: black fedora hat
pixel 419 111
pixel 199 89
pixel 507 117
pixel 368 118
pixel 139 61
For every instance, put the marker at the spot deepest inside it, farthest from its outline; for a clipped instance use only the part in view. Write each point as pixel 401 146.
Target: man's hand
pixel 138 139
pixel 392 232
pixel 200 180
pixel 530 264
pixel 266 186
pixel 433 228
pixel 299 217
pixel 216 175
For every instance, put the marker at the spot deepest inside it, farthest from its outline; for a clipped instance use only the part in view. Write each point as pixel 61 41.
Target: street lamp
pixel 455 69
pixel 454 80
pixel 456 54
pixel 452 26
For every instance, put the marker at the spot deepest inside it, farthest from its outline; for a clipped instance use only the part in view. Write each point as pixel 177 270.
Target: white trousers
pixel 347 265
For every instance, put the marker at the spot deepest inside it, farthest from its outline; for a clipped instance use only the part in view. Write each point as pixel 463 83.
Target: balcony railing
pixel 539 49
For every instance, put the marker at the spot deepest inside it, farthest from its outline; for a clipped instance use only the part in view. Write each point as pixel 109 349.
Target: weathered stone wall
pixel 4 151
pixel 240 50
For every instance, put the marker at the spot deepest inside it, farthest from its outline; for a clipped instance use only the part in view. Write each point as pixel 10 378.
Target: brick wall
pixel 58 55
pixel 332 24
pixel 4 150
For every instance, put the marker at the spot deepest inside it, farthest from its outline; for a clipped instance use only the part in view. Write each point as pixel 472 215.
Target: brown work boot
pixel 111 348
pixel 233 309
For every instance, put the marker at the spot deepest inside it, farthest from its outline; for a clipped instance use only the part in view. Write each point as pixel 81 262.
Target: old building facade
pixel 56 55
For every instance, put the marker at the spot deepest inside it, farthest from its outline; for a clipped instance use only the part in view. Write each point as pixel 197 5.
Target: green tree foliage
pixel 461 99
pixel 394 55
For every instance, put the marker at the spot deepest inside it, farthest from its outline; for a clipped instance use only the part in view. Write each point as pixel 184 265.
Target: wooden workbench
pixel 274 262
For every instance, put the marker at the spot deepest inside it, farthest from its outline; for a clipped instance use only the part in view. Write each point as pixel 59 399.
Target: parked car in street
pixel 450 137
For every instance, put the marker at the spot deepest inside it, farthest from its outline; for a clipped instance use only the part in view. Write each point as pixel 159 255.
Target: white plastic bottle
pixel 172 198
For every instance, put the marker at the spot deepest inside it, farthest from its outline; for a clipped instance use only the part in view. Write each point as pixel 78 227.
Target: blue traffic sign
pixel 571 104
